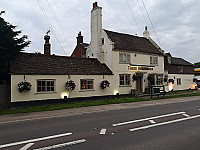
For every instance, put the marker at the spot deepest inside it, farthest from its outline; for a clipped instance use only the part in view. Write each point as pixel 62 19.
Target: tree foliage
pixel 197 65
pixel 10 42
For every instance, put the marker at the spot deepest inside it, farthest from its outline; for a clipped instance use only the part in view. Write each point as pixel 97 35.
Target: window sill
pixel 124 62
pixel 125 86
pixel 45 93
pixel 86 90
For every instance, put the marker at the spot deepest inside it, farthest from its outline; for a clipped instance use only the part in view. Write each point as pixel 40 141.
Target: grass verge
pixel 87 104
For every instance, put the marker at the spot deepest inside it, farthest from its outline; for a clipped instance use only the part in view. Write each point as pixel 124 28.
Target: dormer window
pixel 124 58
pixel 180 69
pixel 169 59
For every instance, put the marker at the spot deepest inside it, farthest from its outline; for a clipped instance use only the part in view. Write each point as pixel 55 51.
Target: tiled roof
pixel 132 43
pixel 180 61
pixel 30 63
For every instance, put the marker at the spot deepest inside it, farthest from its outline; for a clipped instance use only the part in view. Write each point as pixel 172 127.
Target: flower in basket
pixel 70 85
pixel 24 86
pixel 104 84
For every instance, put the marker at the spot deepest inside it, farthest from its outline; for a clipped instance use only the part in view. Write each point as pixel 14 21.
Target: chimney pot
pixel 95 5
pixel 47 45
pixel 145 28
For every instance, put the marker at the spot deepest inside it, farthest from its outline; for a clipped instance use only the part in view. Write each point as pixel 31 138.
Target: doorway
pixel 139 84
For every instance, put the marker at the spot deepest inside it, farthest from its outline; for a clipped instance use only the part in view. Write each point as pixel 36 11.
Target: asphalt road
pixel 162 127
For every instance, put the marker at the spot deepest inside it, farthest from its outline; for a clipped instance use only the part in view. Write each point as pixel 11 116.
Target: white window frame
pixel 124 58
pixel 178 80
pixel 123 79
pixel 85 88
pixel 46 88
pixel 153 60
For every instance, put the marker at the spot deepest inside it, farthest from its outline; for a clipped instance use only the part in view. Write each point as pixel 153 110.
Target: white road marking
pixel 164 123
pixel 128 122
pixel 62 145
pixel 186 115
pixel 103 131
pixel 26 146
pixel 35 140
pixel 152 121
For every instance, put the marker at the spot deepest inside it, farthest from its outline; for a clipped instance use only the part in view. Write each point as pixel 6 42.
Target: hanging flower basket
pixel 24 86
pixel 134 78
pixel 104 84
pixel 70 85
pixel 171 80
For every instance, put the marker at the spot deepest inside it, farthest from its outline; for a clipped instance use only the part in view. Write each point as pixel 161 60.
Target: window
pixel 159 79
pixel 180 69
pixel 45 86
pixel 124 79
pixel 153 60
pixel 124 58
pixel 87 84
pixel 178 81
pixel 102 41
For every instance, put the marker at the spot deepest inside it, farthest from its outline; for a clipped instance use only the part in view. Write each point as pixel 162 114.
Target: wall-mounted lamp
pixel 65 97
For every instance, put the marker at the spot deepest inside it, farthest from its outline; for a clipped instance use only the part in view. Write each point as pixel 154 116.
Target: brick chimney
pixel 79 38
pixel 47 45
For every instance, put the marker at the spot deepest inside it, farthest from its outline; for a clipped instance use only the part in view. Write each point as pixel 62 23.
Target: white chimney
pixel 96 50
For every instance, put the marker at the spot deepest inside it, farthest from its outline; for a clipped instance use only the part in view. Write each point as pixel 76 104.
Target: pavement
pixel 92 109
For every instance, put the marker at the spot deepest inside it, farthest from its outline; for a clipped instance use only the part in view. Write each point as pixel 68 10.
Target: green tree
pixel 197 65
pixel 10 44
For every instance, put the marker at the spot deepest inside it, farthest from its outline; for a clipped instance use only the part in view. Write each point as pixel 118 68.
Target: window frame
pixel 124 80
pixel 153 60
pixel 87 85
pixel 124 58
pixel 46 86
pixel 178 81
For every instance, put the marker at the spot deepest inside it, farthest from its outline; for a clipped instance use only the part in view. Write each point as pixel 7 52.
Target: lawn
pixel 68 105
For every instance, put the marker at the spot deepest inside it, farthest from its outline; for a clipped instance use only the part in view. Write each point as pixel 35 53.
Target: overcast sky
pixel 176 22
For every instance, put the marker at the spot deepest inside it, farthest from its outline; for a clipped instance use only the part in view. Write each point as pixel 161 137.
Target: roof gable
pixel 132 43
pixel 30 63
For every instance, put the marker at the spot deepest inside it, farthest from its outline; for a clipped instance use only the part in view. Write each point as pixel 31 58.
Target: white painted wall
pixel 60 89
pixel 186 81
pixel 95 49
pixel 140 59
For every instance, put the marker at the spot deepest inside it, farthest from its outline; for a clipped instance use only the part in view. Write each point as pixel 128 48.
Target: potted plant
pixel 134 78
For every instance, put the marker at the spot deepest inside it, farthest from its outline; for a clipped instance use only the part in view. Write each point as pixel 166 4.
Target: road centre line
pixel 26 146
pixel 103 131
pixel 35 140
pixel 164 123
pixel 145 119
pixel 62 145
pixel 152 121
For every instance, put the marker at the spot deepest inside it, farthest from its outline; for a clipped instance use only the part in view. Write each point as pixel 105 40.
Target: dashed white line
pixel 35 140
pixel 26 146
pixel 186 115
pixel 152 121
pixel 62 145
pixel 128 122
pixel 103 131
pixel 164 123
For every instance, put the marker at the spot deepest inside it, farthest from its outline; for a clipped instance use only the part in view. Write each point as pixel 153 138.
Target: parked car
pixel 198 83
pixel 195 85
